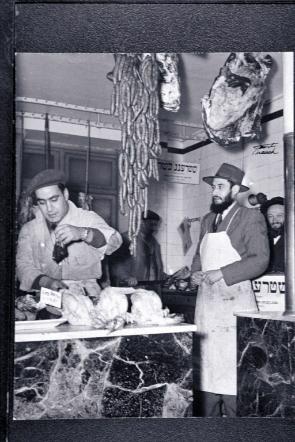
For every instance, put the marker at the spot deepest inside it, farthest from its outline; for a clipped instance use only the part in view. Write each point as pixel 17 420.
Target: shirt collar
pixel 226 211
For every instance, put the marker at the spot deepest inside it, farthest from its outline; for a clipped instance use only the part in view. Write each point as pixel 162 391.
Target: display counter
pixel 181 301
pixel 80 372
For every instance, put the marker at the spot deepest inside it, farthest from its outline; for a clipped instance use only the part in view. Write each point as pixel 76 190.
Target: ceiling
pixel 80 78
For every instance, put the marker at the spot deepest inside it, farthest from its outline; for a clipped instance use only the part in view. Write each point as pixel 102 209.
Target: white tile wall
pixel 176 201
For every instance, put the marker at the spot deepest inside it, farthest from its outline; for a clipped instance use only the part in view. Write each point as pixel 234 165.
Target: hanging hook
pixel 87 160
pixel 47 141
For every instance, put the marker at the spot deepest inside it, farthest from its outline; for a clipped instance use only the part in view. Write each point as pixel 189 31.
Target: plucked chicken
pixel 233 108
pixel 111 308
pixel 76 307
pixel 107 311
pixel 147 308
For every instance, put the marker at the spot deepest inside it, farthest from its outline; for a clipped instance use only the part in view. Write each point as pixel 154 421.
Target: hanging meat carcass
pixel 232 109
pixel 170 83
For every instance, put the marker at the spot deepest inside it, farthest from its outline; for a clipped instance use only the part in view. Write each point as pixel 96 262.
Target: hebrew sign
pixel 270 292
pixel 179 171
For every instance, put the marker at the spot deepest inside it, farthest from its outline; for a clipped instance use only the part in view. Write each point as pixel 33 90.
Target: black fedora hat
pixel 230 173
pixel 276 200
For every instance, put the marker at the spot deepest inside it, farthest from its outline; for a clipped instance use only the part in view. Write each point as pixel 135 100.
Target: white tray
pixel 42 324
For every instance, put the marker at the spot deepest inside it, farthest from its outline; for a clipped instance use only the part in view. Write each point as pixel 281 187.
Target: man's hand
pixel 212 276
pixel 196 278
pixel 52 284
pixel 67 233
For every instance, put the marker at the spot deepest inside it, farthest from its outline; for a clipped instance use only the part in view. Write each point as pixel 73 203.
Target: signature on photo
pixel 265 149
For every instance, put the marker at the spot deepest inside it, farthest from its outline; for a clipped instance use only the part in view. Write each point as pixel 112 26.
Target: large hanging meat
pixel 170 83
pixel 232 109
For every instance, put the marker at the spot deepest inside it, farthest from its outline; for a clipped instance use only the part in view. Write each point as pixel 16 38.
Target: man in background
pixel 147 265
pixel 274 212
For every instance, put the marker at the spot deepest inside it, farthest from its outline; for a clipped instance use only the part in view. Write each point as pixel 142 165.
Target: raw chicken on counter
pixel 26 308
pixel 111 309
pixel 107 311
pixel 233 108
pixel 147 309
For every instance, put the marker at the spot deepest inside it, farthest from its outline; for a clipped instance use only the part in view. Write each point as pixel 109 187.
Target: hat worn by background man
pixel 48 177
pixel 273 201
pixel 230 173
pixel 150 215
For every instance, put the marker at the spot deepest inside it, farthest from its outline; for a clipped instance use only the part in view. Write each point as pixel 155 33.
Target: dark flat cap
pixel 276 200
pixel 48 177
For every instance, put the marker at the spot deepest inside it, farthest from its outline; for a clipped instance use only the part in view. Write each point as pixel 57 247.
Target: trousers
pixel 214 405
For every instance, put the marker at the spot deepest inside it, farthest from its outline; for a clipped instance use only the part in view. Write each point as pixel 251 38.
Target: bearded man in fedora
pixel 233 249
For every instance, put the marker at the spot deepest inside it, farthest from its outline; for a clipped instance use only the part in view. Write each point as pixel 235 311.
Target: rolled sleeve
pixel 112 237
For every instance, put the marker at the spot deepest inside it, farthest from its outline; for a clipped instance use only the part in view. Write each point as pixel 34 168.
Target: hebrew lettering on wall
pixel 179 172
pixel 269 291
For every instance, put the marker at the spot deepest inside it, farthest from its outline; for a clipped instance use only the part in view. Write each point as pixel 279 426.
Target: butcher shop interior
pixel 153 190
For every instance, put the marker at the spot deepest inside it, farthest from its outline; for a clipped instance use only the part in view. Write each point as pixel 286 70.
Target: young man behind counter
pixel 63 242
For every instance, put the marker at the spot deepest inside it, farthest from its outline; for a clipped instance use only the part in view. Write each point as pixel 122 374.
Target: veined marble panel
pixel 130 376
pixel 266 368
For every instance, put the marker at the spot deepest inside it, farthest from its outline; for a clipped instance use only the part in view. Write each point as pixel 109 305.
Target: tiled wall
pixel 264 173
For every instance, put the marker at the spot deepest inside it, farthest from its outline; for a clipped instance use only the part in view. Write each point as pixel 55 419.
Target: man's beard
pixel 274 232
pixel 219 208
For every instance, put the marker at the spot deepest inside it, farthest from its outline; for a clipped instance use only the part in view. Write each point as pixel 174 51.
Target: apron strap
pixel 231 220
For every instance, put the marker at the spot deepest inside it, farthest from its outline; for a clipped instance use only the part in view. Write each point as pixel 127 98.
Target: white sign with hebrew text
pixel 179 171
pixel 270 292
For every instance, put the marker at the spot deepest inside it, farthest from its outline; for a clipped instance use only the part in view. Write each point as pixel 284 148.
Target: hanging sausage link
pixel 135 101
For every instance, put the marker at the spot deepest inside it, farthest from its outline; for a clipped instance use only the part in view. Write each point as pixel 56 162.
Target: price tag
pixel 50 297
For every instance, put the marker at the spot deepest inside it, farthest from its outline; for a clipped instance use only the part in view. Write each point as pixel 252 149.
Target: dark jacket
pixel 277 255
pixel 248 235
pixel 146 266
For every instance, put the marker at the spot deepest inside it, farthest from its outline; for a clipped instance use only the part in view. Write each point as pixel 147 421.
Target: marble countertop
pixel 276 316
pixel 51 332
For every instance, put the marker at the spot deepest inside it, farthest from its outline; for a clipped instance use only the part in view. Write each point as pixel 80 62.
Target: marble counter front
pixel 79 372
pixel 266 365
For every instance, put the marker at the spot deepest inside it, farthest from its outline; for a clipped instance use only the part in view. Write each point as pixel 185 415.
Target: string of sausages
pixel 135 102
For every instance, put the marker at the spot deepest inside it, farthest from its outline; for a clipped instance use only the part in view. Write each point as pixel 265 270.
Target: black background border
pixel 93 26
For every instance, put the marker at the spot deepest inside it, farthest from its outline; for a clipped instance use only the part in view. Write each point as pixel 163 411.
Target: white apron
pixel 214 316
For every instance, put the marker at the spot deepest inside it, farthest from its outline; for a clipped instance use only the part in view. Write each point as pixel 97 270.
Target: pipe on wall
pixel 288 86
pixel 289 224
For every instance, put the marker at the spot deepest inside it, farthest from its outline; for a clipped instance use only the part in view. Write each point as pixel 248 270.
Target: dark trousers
pixel 214 405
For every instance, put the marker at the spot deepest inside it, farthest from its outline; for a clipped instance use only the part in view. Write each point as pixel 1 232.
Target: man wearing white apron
pixel 233 249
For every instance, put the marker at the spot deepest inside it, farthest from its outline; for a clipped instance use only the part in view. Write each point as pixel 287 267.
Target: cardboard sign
pixel 179 171
pixel 270 292
pixel 50 297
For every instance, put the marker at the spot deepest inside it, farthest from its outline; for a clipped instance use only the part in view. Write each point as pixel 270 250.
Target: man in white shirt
pixel 63 242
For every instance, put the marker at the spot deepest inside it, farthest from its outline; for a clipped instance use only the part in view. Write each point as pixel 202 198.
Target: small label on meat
pixel 50 297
